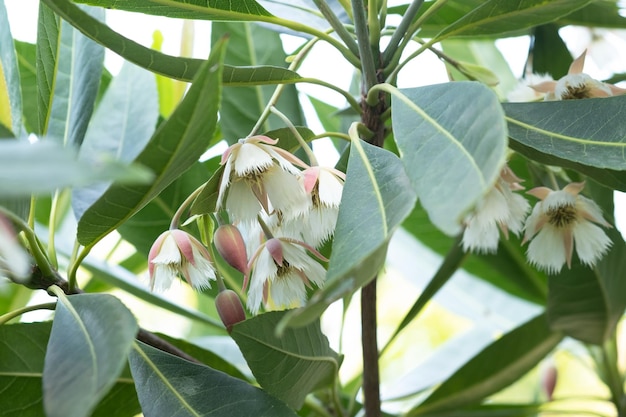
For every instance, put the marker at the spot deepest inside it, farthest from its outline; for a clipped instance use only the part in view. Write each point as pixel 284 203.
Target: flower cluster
pixel 561 221
pixel 281 210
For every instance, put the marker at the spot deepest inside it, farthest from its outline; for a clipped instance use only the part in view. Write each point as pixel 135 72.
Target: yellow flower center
pixel 561 216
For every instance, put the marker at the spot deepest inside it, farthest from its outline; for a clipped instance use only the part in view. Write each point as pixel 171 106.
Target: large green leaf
pixel 34 168
pixel 285 366
pixel 168 386
pixel 22 352
pixel 10 97
pixel 120 127
pixel 497 366
pixel 377 197
pixel 496 16
pixel 251 45
pixel 176 67
pixel 549 54
pixel 28 83
pixel 587 132
pixel 452 141
pixel 189 9
pixel 90 339
pixel 176 145
pixel 78 69
pixel 48 27
pixel 600 13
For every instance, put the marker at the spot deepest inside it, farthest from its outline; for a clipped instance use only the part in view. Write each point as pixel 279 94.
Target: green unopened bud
pixel 229 308
pixel 229 243
pixel 478 73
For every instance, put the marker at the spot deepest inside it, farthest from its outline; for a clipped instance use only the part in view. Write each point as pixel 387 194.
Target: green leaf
pixel 176 145
pixel 176 67
pixel 582 131
pixel 78 70
pixel 26 53
pixel 496 17
pixel 250 45
pixel 22 352
pixel 377 197
pixel 549 54
pixel 36 168
pixel 206 201
pixel 285 366
pixel 168 386
pixel 189 9
pixel 452 141
pixel 120 127
pixel 48 27
pixel 600 13
pixel 10 97
pixel 497 366
pixel 491 410
pixel 90 339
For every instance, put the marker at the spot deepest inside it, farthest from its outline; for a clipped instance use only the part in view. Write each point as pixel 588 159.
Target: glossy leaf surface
pixel 286 366
pixel 176 145
pixel 452 141
pixel 168 385
pixel 377 197
pixel 85 354
pixel 47 55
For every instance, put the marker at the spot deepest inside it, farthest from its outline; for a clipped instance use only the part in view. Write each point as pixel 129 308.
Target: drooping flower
pixel 279 273
pixel 561 220
pixel 176 253
pixel 501 209
pixel 230 244
pixel 229 308
pixel 577 85
pixel 258 175
pixel 14 260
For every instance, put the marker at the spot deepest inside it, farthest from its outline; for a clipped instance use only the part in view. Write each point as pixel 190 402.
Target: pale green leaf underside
pixel 452 141
pixel 590 131
pixel 170 386
pixel 284 366
pixel 85 353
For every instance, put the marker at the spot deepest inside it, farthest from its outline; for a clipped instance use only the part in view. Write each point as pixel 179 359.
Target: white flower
pixel 13 258
pixel 177 253
pixel 258 175
pixel 523 92
pixel 280 272
pixel 576 85
pixel 561 220
pixel 502 209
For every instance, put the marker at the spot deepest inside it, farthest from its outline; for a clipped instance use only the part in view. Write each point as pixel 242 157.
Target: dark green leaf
pixel 250 45
pixel 491 410
pixel 27 168
pixel 10 97
pixel 189 9
pixel 176 67
pixel 90 339
pixel 549 54
pixel 120 127
pixel 377 197
pixel 290 366
pixel 600 13
pixel 177 145
pixel 452 141
pixel 206 201
pixel 78 69
pixel 497 366
pixel 168 386
pixel 28 84
pixel 587 132
pixel 22 351
pixel 496 17
pixel 48 27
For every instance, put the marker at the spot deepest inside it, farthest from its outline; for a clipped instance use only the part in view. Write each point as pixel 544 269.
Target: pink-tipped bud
pixel 549 381
pixel 230 245
pixel 275 248
pixel 229 308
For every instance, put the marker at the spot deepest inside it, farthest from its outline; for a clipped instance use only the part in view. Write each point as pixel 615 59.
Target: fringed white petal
pixel 547 250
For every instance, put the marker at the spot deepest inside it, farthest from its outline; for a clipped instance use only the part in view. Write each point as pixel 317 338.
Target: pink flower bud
pixel 549 381
pixel 230 245
pixel 229 308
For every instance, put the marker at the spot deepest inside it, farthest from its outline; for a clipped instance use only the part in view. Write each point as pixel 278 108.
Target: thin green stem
pixel 401 31
pixel 72 277
pixel 181 209
pixel 305 146
pixel 266 230
pixel 73 269
pixel 316 406
pixel 349 98
pixel 368 66
pixel 373 23
pixel 396 68
pixel 339 135
pixel 31 213
pixel 612 373
pixel 54 208
pixel 33 243
pixel 5 318
pixel 336 24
